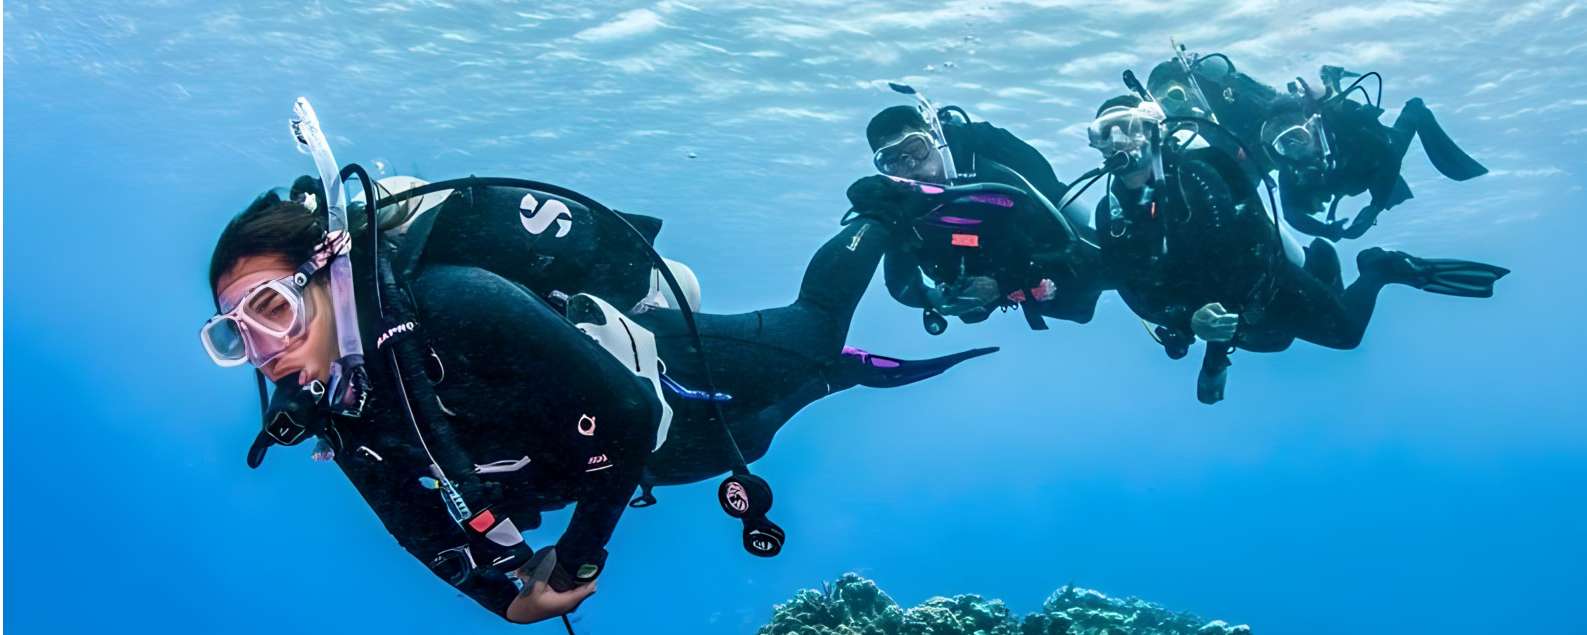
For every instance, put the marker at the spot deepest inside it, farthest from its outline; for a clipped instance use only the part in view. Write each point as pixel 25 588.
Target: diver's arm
pixel 1298 203
pixel 901 271
pixel 513 338
pixel 418 520
pixel 560 578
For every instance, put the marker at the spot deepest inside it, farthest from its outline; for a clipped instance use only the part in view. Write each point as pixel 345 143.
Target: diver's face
pixel 911 155
pixel 308 355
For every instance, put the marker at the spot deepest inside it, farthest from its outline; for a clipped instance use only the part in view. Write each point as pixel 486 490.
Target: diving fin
pixel 1444 276
pixel 863 368
pixel 1445 155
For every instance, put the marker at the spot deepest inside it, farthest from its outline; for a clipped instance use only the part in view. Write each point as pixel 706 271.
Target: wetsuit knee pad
pixel 633 345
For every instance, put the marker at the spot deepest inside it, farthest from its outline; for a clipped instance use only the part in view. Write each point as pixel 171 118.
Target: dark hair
pixel 268 226
pixel 1244 85
pixel 891 121
pixel 1283 105
pixel 272 224
pixel 1128 101
pixel 1169 71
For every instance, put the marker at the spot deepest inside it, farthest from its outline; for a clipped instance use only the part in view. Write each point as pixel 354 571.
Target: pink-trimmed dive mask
pixel 261 325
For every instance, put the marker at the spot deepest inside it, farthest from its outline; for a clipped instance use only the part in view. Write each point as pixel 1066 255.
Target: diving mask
pixel 1122 129
pixel 262 324
pixel 1294 140
pixel 901 157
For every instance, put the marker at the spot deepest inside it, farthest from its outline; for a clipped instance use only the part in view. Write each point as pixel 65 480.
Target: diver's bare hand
pixel 1215 323
pixel 541 602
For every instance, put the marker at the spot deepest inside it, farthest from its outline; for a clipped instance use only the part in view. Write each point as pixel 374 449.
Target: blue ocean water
pixel 1430 481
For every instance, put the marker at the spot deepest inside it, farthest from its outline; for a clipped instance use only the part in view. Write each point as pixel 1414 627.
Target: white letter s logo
pixel 537 217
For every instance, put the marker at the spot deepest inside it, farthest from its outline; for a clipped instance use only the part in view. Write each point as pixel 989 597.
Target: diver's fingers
pixel 575 596
pixel 550 602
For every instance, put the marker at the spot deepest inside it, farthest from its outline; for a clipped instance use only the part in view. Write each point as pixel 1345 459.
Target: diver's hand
pixel 1335 230
pixel 886 196
pixel 1215 323
pixel 540 602
pixel 967 294
pixel 1364 220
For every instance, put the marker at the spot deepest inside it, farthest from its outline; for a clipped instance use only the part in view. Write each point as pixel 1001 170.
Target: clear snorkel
pixel 349 383
pixel 928 112
pixel 1187 64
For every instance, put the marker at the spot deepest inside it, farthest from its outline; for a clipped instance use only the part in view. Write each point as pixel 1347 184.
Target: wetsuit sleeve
pixel 1299 204
pixel 592 418
pixel 901 271
pixel 415 517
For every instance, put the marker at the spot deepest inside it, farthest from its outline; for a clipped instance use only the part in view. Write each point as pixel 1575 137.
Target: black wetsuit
pixel 1367 157
pixel 984 153
pixel 557 420
pixel 1176 251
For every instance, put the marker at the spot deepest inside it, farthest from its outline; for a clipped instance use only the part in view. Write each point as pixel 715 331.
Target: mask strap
pixel 334 245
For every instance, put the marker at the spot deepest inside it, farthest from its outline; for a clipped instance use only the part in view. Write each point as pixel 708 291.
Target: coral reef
pixel 856 606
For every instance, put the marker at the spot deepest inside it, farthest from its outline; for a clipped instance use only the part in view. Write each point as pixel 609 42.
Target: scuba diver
pixel 993 239
pixel 1325 145
pixel 498 386
pixel 1329 146
pixel 1210 87
pixel 1186 237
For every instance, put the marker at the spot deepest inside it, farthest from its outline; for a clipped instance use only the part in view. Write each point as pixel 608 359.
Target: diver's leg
pixel 1446 156
pixel 838 276
pixel 697 450
pixel 1322 262
pixel 1404 130
pixel 756 350
pixel 1317 312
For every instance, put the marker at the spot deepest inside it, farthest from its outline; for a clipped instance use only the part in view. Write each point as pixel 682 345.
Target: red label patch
pixel 483 521
pixel 966 240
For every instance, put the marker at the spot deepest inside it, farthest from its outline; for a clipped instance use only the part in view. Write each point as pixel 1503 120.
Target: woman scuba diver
pixel 487 399
pixel 1328 147
pixel 1185 235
